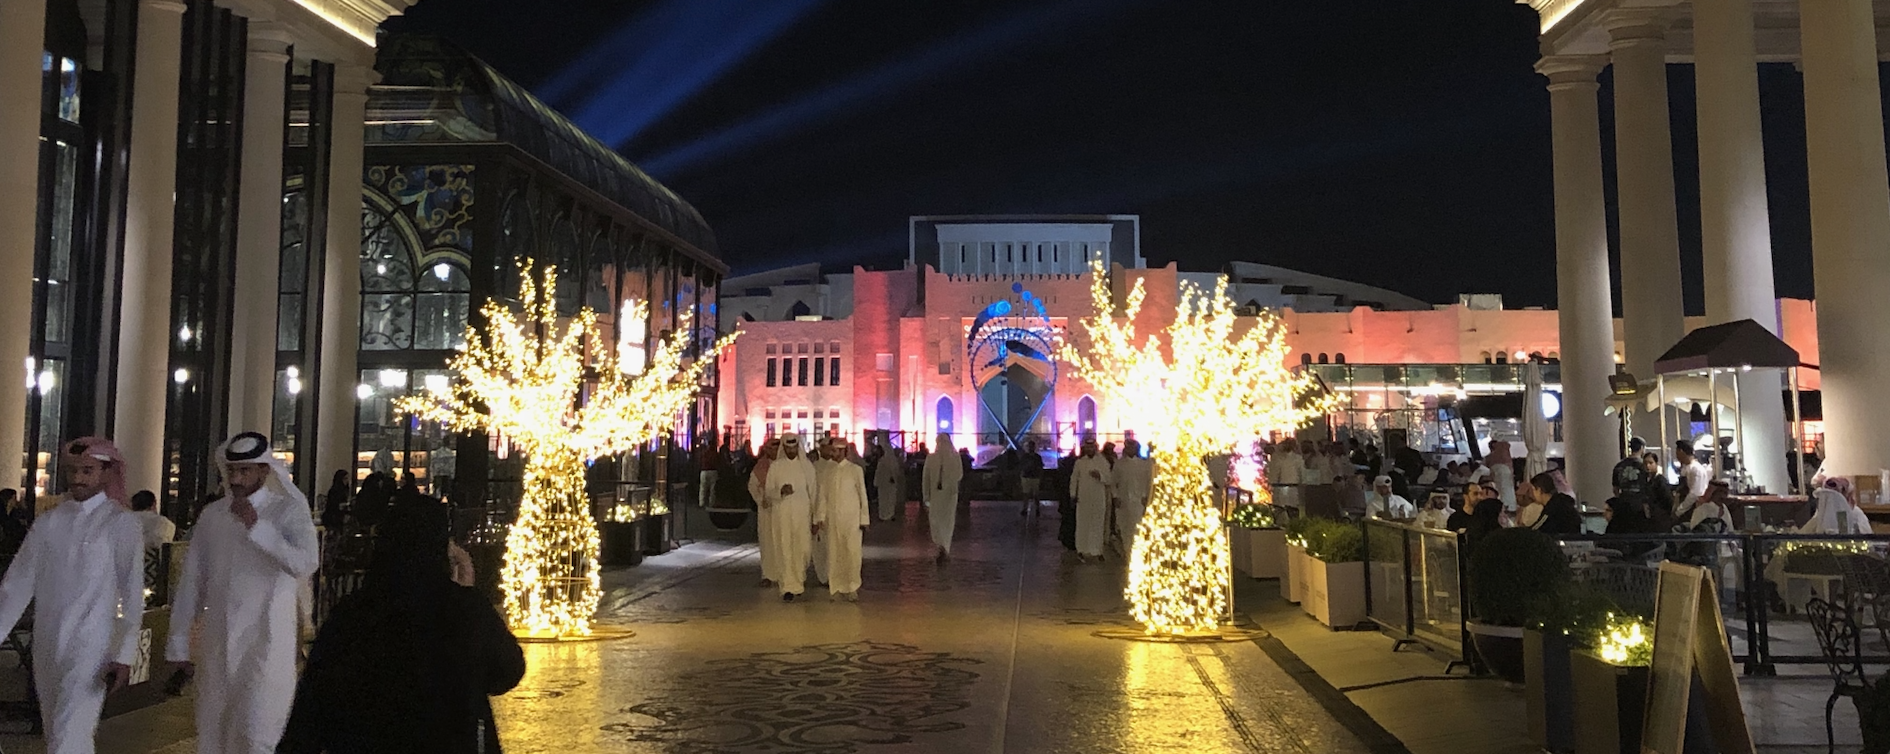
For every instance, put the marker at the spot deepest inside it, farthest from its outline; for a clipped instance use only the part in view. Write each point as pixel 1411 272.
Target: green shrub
pixel 1298 528
pixel 1253 516
pixel 1516 577
pixel 1580 610
pixel 1339 543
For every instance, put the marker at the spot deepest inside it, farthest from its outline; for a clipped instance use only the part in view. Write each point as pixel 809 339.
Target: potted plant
pixel 1515 577
pixel 1260 545
pixel 1573 619
pixel 1239 546
pixel 1336 575
pixel 1608 679
pixel 1296 531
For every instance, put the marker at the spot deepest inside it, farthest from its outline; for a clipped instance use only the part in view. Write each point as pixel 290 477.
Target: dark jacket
pixel 1560 515
pixel 406 664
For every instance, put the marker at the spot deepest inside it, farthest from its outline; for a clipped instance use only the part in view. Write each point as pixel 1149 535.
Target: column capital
pixel 164 6
pixel 269 41
pixel 1571 71
pixel 1632 27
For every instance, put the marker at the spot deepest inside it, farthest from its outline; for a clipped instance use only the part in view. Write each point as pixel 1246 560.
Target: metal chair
pixel 1842 646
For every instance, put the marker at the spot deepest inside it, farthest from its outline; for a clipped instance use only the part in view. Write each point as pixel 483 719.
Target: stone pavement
pixel 995 651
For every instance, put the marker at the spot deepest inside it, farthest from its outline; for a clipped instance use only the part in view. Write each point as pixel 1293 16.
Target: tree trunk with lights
pixel 1178 567
pixel 550 580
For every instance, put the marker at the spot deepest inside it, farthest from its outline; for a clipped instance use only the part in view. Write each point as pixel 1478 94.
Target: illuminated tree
pixel 555 389
pixel 1214 383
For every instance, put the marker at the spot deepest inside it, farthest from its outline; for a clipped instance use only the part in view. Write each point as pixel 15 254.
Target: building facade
pixel 262 215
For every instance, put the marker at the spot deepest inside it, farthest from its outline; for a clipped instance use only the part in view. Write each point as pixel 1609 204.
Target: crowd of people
pixel 404 664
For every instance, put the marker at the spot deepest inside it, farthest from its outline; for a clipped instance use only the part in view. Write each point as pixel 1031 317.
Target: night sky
pixel 1401 143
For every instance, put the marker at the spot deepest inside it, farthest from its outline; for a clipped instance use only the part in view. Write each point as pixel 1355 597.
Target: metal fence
pixel 1417 585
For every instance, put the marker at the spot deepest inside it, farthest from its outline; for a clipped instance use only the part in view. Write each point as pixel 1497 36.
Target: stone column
pixel 259 232
pixel 1650 233
pixel 1850 225
pixel 1584 309
pixel 1735 229
pixel 22 47
pixel 144 314
pixel 341 284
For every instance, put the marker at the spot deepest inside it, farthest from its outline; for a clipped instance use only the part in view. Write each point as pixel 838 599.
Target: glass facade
pixel 467 176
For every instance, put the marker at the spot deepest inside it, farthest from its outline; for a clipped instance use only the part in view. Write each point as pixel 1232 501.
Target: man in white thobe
pixel 939 493
pixel 82 566
pixel 825 460
pixel 249 554
pixel 764 511
pixel 840 518
pixel 1090 481
pixel 790 490
pixel 1383 503
pixel 889 476
pixel 1135 478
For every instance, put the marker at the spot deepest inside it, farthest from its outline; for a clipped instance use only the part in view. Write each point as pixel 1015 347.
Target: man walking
pixel 889 475
pixel 249 554
pixel 1135 477
pixel 82 564
pixel 1090 480
pixel 1030 475
pixel 790 491
pixel 764 510
pixel 841 518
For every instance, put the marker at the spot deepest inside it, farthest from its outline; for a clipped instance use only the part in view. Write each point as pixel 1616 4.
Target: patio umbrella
pixel 1535 427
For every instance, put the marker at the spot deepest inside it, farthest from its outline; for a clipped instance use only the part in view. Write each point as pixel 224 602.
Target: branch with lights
pixel 556 390
pixel 1208 385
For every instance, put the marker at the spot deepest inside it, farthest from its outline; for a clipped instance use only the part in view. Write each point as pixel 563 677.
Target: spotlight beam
pixel 976 46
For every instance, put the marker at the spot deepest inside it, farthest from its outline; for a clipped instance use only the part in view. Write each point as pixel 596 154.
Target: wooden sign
pixel 1690 639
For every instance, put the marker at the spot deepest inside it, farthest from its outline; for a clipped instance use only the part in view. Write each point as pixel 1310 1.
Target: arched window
pixel 516 239
pixel 1502 358
pixel 1322 358
pixel 1086 417
pixel 799 309
pixel 1305 358
pixel 410 299
pixel 945 415
pixel 1338 358
pixel 1486 358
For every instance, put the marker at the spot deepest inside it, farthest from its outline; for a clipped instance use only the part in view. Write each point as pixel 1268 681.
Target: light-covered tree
pixel 555 389
pixel 1212 381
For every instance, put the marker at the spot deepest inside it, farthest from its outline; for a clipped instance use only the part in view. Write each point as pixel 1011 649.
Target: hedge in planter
pixel 1516 577
pixel 1337 579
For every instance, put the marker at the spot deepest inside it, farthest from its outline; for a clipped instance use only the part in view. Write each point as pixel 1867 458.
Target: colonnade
pixel 1850 207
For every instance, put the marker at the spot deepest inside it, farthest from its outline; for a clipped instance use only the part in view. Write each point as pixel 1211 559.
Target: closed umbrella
pixel 1535 426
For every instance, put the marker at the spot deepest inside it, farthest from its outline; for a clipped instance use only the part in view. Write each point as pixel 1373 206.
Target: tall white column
pixel 258 231
pixel 144 315
pixel 341 283
pixel 22 45
pixel 1850 228
pixel 1650 232
pixel 1584 309
pixel 1735 228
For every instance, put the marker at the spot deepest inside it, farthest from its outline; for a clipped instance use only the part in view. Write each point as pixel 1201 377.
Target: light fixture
pixel 46 381
pixel 393 378
pixel 380 268
pixel 294 385
pixel 180 376
pixel 364 391
pixel 292 371
pixel 442 271
pixel 183 334
pixel 32 372
pixel 437 383
pixel 1521 355
pixel 1551 405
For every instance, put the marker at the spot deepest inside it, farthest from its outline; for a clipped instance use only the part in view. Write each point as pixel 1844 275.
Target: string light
pixel 1625 641
pixel 1214 381
pixel 551 386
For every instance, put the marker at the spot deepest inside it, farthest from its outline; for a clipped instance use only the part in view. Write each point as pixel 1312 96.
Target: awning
pixel 1744 343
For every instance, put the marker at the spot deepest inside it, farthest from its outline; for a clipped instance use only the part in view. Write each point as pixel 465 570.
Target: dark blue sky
pixel 1402 143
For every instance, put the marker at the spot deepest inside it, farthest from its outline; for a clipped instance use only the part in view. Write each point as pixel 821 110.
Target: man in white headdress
pixel 1383 503
pixel 824 454
pixel 939 493
pixel 1135 477
pixel 249 554
pixel 764 510
pixel 889 476
pixel 82 564
pixel 840 519
pixel 1090 481
pixel 790 491
pixel 1836 514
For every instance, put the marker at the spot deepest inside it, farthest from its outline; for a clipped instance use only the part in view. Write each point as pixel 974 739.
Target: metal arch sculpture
pixel 1000 337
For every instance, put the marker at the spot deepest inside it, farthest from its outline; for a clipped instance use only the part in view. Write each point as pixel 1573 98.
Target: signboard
pixel 1690 639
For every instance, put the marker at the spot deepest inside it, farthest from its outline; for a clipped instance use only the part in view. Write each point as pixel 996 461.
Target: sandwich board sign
pixel 1690 640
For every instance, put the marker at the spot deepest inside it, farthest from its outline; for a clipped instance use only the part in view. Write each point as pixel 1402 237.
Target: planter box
pixel 1501 648
pixel 1294 585
pixel 656 530
pixel 620 543
pixel 1548 690
pixel 1336 592
pixel 1609 701
pixel 1240 543
pixel 1266 553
